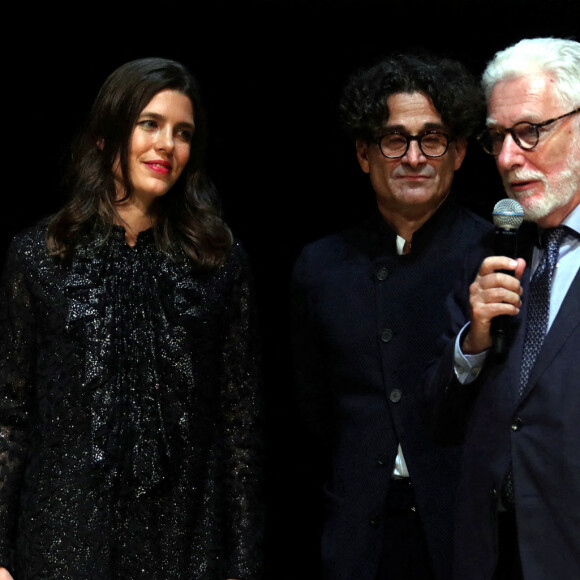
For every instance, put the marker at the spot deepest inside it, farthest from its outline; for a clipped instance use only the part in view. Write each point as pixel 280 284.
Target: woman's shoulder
pixel 30 241
pixel 240 258
pixel 238 251
pixel 237 265
pixel 27 254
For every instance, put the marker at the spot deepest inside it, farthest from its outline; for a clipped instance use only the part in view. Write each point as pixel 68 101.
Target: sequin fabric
pixel 129 413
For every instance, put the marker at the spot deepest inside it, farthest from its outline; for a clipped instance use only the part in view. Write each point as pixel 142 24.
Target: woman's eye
pixel 185 134
pixel 147 124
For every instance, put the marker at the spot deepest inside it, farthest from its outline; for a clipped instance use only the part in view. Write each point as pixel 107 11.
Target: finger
pixel 494 263
pixel 520 268
pixel 497 284
pixel 483 311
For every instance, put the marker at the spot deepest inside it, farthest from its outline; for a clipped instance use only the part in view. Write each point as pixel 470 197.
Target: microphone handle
pixel 505 244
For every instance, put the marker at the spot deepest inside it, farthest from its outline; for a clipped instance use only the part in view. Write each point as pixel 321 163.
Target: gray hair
pixel 557 57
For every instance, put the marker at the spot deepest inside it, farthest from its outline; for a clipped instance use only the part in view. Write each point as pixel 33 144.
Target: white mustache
pixel 523 175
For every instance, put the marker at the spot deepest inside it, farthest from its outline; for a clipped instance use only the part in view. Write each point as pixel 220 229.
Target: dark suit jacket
pixel 366 321
pixel 539 433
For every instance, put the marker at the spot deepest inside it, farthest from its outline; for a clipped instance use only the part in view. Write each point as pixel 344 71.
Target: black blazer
pixel 539 433
pixel 366 321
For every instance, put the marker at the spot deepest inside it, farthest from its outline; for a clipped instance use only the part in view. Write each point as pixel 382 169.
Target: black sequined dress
pixel 128 415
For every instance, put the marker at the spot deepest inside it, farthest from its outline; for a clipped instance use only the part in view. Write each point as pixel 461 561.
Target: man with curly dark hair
pixel 368 308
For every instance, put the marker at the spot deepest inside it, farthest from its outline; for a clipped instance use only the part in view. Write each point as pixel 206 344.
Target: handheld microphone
pixel 508 216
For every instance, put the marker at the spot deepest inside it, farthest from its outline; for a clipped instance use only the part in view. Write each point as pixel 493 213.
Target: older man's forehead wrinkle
pixel 531 99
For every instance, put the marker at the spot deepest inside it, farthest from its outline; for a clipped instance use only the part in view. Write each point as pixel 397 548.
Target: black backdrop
pixel 270 72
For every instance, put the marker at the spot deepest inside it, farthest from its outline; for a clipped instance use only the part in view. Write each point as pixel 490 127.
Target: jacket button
pixel 375 521
pixel 395 395
pixel 382 273
pixel 382 459
pixel 386 335
pixel 516 424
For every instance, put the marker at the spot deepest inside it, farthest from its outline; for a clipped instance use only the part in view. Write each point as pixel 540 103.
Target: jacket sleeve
pixel 311 389
pixel 16 384
pixel 446 402
pixel 242 416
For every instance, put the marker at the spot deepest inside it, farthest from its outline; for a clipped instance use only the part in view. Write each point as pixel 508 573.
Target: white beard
pixel 557 193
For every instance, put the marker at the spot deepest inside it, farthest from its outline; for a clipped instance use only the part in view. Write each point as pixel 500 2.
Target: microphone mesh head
pixel 508 213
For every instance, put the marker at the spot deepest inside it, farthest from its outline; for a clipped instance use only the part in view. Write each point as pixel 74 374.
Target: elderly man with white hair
pixel 518 512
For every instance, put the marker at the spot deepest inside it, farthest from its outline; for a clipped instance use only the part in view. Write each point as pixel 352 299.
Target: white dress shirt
pixel 400 469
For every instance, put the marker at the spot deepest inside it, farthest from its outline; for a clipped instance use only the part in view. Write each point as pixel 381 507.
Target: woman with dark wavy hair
pixel 129 403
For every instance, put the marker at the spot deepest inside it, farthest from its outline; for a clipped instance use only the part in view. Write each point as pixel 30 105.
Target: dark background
pixel 271 72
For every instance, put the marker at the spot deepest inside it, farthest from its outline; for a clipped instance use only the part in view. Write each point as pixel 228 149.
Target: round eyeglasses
pixel 525 134
pixel 431 143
